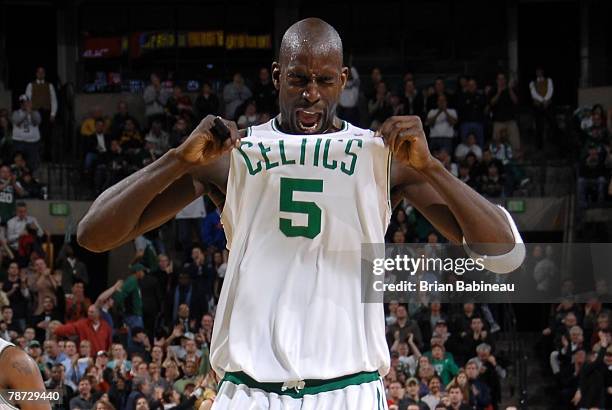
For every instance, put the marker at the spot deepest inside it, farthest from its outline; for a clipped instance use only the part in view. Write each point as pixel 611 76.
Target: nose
pixel 311 92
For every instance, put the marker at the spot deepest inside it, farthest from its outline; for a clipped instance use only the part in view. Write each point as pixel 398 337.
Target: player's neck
pixel 335 126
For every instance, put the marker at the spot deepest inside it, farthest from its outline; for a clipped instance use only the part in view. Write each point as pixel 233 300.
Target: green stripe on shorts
pixel 312 387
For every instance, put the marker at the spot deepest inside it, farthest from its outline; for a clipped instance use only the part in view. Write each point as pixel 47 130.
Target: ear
pixel 276 71
pixel 344 76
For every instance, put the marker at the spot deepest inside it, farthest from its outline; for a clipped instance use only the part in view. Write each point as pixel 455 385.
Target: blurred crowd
pixel 143 342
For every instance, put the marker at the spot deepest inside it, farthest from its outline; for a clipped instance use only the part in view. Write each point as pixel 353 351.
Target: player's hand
pixel 202 147
pixel 405 137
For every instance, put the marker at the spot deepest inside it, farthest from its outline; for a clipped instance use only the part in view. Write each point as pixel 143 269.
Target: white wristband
pixel 507 262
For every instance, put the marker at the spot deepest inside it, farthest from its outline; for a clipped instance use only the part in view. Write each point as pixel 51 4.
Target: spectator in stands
pixel 25 236
pixel 44 284
pixel 597 133
pixel 397 105
pixel 131 299
pixel 179 133
pixel 10 189
pixel 372 86
pixel 19 165
pixel 405 326
pixel 264 92
pixel 206 103
pixel 441 122
pixel 379 107
pixel 491 372
pixel 159 137
pixel 49 313
pixel 85 400
pixel 130 138
pixel 77 304
pixel 234 95
pixel 592 391
pixel 456 396
pixel 92 329
pixel 466 176
pixel 112 167
pixel 72 268
pixel 12 327
pixel 443 363
pixel 56 382
pixel 439 89
pixel 348 105
pixel 469 145
pixel 96 145
pixel 139 345
pixel 77 366
pixel 412 100
pixel 32 189
pixel 6 136
pixel 592 174
pixel 44 101
pixel 435 392
pixel 26 132
pixel 118 121
pixel 16 288
pixel 395 393
pixel 504 101
pixel 480 396
pixel 541 90
pixel 178 106
pixel 152 302
pixel 155 98
pixel 250 116
pixel 88 126
pixel 492 183
pixel 189 376
pixel 212 230
pixel 188 222
pixel 53 354
pixel 471 106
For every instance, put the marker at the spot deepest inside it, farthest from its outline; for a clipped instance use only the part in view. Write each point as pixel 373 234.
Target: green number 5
pixel 287 204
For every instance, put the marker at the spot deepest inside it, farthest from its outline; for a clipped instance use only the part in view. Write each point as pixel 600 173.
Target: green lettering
pixel 246 158
pixel 284 161
pixel 351 169
pixel 316 153
pixel 303 151
pixel 264 150
pixel 334 163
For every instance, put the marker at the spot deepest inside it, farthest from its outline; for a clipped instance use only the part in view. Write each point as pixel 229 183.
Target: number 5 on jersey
pixel 287 187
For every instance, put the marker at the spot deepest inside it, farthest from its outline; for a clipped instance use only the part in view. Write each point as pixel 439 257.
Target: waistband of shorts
pixel 311 386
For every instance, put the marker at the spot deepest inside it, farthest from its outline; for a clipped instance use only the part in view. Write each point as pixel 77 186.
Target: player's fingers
pixel 392 138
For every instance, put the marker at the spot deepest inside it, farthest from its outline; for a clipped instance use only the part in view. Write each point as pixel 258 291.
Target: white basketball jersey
pixel 298 208
pixel 5 405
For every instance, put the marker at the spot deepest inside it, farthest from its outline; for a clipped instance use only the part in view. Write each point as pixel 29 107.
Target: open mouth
pixel 308 121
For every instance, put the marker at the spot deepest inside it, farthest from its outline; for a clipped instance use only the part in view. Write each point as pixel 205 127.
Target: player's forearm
pixel 123 205
pixel 480 220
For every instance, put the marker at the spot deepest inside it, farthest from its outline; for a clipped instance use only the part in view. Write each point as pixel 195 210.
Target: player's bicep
pixel 22 374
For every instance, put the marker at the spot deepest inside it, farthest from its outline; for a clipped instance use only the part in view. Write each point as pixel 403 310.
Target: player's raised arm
pixel 154 194
pixel 455 209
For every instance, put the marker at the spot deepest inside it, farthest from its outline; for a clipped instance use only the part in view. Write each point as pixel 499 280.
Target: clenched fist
pixel 202 147
pixel 405 137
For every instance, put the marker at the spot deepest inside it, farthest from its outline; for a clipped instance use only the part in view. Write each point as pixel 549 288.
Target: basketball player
pixel 19 373
pixel 299 196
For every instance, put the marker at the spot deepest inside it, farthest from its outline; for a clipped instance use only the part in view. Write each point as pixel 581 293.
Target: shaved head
pixel 313 34
pixel 309 77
